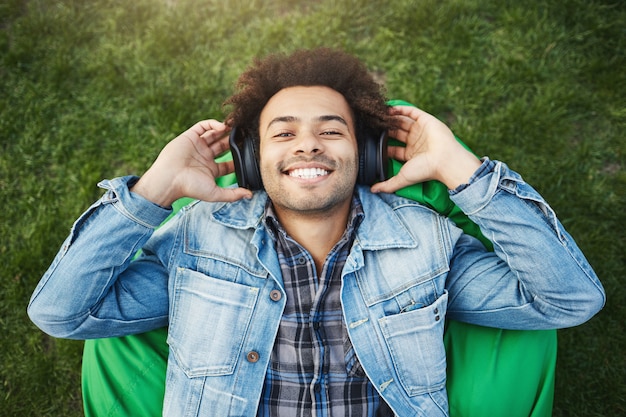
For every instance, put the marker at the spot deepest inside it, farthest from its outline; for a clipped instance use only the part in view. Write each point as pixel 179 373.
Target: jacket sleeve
pixel 536 278
pixel 92 289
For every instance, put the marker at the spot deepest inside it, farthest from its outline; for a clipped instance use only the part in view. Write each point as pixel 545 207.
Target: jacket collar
pixel 382 227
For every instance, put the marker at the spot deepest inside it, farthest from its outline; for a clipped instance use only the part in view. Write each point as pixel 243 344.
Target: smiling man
pixel 319 293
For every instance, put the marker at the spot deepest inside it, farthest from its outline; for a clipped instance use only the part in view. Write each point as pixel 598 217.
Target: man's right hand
pixel 186 167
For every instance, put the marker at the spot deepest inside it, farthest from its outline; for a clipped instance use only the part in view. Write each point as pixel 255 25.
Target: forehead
pixel 305 103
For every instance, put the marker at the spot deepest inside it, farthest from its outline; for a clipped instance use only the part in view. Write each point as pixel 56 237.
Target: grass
pixel 92 89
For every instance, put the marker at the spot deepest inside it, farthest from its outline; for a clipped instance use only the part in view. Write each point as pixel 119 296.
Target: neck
pixel 317 233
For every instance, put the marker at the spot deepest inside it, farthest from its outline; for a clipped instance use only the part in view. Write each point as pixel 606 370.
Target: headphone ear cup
pixel 245 160
pixel 373 160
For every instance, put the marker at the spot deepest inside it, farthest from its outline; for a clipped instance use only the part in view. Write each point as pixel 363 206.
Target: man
pixel 318 295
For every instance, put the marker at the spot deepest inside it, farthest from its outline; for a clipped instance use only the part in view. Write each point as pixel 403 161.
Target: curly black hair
pixel 326 67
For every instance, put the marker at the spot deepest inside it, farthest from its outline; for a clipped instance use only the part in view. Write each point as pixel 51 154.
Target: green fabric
pixel 491 372
pixel 125 376
pixel 499 373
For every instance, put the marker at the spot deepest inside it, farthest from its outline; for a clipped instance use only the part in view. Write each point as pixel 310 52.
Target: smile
pixel 308 173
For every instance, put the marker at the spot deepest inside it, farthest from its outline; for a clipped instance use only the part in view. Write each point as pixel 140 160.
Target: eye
pixel 332 132
pixel 283 135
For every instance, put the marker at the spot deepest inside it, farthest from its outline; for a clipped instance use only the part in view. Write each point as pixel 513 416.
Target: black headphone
pixel 373 159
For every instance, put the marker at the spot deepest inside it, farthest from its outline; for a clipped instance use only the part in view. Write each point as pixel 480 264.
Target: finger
pixel 224 168
pixel 218 147
pixel 408 111
pixel 231 194
pixel 211 126
pixel 402 130
pixel 403 127
pixel 403 123
pixel 215 134
pixel 391 185
pixel 399 153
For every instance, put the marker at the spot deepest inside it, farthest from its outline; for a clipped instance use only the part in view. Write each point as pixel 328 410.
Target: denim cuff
pixel 485 168
pixel 484 184
pixel 132 205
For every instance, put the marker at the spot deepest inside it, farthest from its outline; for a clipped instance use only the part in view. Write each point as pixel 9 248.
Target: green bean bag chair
pixel 491 372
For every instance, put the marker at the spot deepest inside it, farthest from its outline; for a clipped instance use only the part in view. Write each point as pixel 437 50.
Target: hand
pixel 186 167
pixel 431 152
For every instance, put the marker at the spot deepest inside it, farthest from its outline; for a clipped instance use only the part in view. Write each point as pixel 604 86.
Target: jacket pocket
pixel 209 320
pixel 415 343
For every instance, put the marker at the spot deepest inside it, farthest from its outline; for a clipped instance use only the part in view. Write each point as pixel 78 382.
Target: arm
pixel 92 289
pixel 537 277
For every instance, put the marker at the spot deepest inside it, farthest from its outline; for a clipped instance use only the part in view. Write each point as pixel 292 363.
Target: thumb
pixel 230 194
pixel 391 185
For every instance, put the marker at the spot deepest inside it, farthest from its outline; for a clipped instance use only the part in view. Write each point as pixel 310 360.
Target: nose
pixel 309 142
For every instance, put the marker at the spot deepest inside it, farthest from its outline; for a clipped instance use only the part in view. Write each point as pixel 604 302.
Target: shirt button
pixel 316 325
pixel 252 357
pixel 276 295
pixel 302 260
pixel 317 388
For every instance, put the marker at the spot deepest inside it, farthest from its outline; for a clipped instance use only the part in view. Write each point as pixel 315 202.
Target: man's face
pixel 308 151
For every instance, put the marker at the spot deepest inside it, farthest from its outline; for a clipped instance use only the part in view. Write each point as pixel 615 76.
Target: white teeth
pixel 308 172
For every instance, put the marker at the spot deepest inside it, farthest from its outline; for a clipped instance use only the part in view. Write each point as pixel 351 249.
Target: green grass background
pixel 93 89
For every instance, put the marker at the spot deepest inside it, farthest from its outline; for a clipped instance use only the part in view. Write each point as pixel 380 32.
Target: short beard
pixel 315 206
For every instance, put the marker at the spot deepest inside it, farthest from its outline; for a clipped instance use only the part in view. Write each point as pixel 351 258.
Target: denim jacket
pixel 211 274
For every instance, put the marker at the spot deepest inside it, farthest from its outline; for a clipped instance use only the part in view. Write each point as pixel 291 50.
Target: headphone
pixel 373 161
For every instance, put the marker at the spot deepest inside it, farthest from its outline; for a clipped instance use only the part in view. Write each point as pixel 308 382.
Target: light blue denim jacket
pixel 212 273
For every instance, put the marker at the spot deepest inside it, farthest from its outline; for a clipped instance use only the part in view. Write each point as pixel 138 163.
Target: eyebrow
pixel 324 118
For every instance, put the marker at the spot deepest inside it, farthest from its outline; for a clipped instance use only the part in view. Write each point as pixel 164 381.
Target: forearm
pixel 81 288
pixel 545 279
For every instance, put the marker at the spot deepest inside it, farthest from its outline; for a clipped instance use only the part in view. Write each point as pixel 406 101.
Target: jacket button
pixel 252 357
pixel 276 295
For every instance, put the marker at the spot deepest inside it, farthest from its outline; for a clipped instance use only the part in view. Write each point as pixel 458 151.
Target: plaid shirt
pixel 313 369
